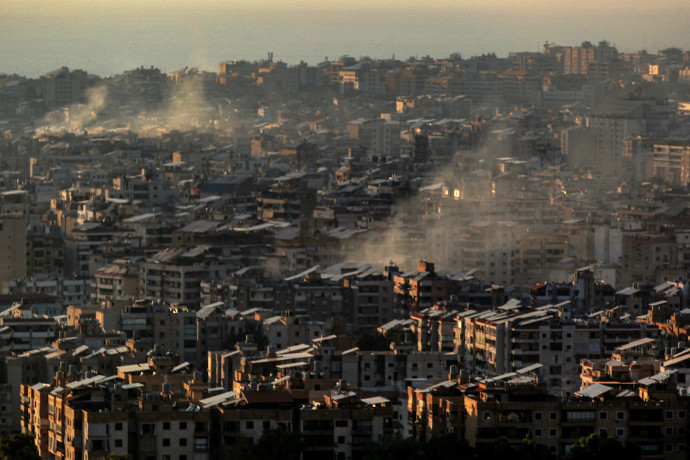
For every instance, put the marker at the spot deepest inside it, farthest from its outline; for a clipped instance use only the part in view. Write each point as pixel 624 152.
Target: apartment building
pixel 497 342
pixel 284 331
pixel 64 86
pixel 149 324
pixel 376 135
pixel 13 248
pixel 85 239
pixel 149 189
pixel 88 419
pixel 115 282
pixel 344 425
pixel 416 290
pixel 671 162
pixel 614 121
pixel 67 291
pixel 21 330
pixel 174 275
pixel 649 414
pixel 373 299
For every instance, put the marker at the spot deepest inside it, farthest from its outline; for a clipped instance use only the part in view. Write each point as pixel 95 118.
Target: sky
pixel 108 36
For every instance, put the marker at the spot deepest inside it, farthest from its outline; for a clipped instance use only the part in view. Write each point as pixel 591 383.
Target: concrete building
pixel 116 282
pixel 517 339
pixel 64 87
pixel 613 121
pixel 12 249
pixel 174 275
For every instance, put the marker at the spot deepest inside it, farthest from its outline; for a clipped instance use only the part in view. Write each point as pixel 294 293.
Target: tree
pixel 242 447
pixel 533 451
pixel 373 342
pixel 18 447
pixel 602 447
pixel 394 448
pixel 275 444
pixel 498 450
pixel 280 444
pixel 447 447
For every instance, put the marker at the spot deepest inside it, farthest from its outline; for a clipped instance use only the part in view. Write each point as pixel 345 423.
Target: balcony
pixel 522 340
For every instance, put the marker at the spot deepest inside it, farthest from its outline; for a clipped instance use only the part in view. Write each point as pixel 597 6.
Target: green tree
pixel 373 341
pixel 447 447
pixel 602 447
pixel 280 444
pixel 533 451
pixel 18 447
pixel 394 448
pixel 498 450
pixel 242 447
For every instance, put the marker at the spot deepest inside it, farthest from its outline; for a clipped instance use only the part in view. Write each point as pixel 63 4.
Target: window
pixel 580 416
pixel 603 415
pixel 118 426
pixel 183 425
pixel 341 439
pixel 553 416
pixel 537 416
pixel 620 415
pixel 166 442
pixel 429 365
pixel 341 423
pixel 669 414
pixel 97 444
pixel 620 432
pixel 553 432
pixel 681 414
pixel 249 424
pixel 148 428
pixel 668 447
pixel 669 431
pixel 166 425
pixel 537 432
pixel 118 443
pixel 267 425
pixel 183 442
pixel 681 431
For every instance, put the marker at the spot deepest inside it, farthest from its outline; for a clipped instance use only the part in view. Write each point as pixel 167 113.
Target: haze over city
pixel 105 37
pixel 306 230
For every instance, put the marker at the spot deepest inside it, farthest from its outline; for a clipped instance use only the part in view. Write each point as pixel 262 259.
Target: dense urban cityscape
pixel 342 259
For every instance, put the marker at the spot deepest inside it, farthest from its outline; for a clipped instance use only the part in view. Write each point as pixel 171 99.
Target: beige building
pixel 12 248
pixel 671 162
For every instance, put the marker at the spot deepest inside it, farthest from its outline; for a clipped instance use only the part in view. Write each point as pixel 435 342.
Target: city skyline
pixel 110 37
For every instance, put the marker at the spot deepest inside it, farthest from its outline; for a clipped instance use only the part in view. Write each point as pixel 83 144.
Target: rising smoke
pixel 107 109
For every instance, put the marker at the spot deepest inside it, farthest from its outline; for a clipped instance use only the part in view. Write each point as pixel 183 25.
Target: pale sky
pixel 109 36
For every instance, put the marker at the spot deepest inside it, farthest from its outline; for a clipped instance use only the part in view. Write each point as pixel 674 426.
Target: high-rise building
pixel 12 248
pixel 64 87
